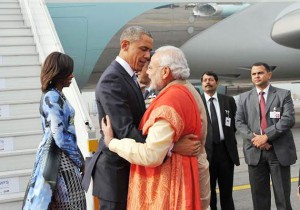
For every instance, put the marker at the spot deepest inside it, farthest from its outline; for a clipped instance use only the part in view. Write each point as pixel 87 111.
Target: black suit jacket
pixel 118 96
pixel 227 103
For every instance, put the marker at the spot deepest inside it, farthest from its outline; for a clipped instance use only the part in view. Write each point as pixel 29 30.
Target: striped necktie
pixel 134 77
pixel 263 120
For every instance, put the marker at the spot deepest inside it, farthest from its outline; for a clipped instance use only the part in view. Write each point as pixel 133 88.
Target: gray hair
pixel 174 58
pixel 134 33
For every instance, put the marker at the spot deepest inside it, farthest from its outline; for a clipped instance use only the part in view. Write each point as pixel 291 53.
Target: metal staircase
pixel 20 126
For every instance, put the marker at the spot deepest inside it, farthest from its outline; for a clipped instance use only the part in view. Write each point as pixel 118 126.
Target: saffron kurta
pixel 161 182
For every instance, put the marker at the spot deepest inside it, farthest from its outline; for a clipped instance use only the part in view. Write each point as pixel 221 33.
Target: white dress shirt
pixel 265 95
pixel 125 65
pixel 217 106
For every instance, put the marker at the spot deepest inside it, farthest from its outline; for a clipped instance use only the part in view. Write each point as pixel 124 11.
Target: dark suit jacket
pixel 118 96
pixel 278 130
pixel 226 103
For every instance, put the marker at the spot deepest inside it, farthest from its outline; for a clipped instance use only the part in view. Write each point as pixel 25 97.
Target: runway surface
pixel 241 190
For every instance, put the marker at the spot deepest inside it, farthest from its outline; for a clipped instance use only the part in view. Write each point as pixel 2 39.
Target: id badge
pixel 227 121
pixel 275 115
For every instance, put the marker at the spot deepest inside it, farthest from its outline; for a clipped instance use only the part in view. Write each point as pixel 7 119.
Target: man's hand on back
pixel 188 145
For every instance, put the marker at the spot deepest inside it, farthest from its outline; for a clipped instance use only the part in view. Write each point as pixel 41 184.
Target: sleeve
pixel 204 180
pixel 240 121
pixel 151 153
pixel 287 120
pixel 115 102
pixel 299 182
pixel 63 133
pixel 233 108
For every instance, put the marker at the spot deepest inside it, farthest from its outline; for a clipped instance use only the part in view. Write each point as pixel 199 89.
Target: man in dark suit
pixel 221 145
pixel 144 81
pixel 265 116
pixel 119 96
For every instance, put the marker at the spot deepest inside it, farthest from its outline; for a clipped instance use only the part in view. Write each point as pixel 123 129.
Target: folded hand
pixel 259 140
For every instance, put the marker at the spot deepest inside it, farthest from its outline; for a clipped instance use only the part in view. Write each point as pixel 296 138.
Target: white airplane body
pixel 224 37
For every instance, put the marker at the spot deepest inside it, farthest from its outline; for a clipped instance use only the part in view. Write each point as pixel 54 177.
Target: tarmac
pixel 241 190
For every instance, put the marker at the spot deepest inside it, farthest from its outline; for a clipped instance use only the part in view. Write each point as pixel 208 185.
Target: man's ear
pixel 166 72
pixel 125 45
pixel 270 75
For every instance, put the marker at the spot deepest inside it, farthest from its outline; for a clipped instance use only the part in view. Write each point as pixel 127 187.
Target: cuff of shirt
pixel 170 150
pixel 112 144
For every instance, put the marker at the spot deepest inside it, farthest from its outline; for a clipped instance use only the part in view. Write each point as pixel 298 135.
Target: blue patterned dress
pixel 57 118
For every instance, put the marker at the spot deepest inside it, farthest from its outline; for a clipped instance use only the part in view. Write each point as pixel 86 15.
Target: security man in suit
pixel 144 82
pixel 221 145
pixel 265 116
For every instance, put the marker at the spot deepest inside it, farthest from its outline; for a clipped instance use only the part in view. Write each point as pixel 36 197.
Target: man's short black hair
pixel 267 67
pixel 210 73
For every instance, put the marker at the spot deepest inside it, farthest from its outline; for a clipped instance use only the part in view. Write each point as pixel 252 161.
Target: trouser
pixel 110 205
pixel 221 170
pixel 259 176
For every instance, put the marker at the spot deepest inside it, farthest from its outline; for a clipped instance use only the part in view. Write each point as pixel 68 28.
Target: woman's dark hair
pixel 56 67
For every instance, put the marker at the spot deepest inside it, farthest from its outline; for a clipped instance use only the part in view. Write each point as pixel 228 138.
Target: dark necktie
pixel 263 120
pixel 146 93
pixel 214 122
pixel 134 77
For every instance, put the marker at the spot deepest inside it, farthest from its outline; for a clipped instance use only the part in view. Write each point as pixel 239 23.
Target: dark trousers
pixel 109 205
pixel 221 170
pixel 260 182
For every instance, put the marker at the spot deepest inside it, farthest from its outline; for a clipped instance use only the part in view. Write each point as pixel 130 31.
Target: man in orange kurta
pixel 159 180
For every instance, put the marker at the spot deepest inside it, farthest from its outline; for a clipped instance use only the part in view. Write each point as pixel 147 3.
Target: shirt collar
pixel 207 97
pixel 125 65
pixel 266 90
pixel 149 88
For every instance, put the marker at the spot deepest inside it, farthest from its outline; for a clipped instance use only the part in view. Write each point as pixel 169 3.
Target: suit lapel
pixel 271 96
pixel 222 109
pixel 132 83
pixel 205 105
pixel 136 90
pixel 254 102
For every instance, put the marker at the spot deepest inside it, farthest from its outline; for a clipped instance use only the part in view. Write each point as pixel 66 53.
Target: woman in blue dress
pixel 57 120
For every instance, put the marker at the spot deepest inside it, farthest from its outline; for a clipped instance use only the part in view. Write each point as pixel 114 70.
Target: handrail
pixel 45 47
pixel 51 25
pixel 29 22
pixel 84 113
